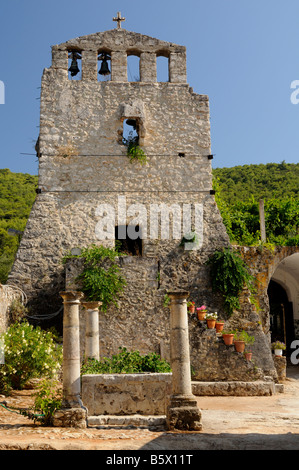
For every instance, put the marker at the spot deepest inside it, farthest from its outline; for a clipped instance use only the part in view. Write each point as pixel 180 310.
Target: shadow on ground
pixel 223 441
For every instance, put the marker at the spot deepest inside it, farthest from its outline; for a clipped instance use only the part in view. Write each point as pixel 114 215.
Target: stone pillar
pixel 280 363
pixel 92 345
pixel 177 67
pixel 89 65
pixel 148 67
pixel 59 58
pixel 72 413
pixel 183 412
pixel 119 66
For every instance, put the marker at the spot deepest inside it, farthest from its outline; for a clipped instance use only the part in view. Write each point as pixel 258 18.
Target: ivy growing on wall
pixel 101 276
pixel 229 275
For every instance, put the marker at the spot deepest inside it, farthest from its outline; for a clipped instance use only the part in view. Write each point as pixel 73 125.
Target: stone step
pixel 236 388
pixel 127 420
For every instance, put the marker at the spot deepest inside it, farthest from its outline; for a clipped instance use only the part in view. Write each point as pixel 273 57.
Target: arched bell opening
pixel 133 66
pixel 163 66
pixel 74 64
pixel 104 66
pixel 130 131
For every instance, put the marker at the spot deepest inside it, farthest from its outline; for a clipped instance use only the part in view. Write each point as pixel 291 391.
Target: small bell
pixel 104 70
pixel 131 122
pixel 74 69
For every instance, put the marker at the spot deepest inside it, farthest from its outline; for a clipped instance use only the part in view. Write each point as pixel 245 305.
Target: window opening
pixel 133 66
pixel 128 239
pixel 74 64
pixel 162 69
pixel 104 72
pixel 130 132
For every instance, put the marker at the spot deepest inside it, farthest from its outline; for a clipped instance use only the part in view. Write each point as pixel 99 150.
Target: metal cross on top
pixel 119 19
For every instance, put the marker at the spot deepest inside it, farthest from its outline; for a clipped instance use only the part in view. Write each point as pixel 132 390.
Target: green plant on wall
pixel 134 151
pixel 101 276
pixel 229 275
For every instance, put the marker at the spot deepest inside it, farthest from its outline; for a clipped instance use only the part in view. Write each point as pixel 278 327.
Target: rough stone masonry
pixel 83 164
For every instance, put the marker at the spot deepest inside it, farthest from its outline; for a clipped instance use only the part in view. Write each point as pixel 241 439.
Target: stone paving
pixel 236 423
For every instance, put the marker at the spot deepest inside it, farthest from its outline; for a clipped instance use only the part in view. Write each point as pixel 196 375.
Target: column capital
pixel 178 294
pixel 91 305
pixel 72 296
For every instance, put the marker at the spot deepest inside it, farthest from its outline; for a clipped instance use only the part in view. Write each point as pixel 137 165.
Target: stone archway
pixel 280 265
pixel 283 292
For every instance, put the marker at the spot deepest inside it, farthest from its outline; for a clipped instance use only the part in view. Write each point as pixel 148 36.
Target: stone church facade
pixel 84 167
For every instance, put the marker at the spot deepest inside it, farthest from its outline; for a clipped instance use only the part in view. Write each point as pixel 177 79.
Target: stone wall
pixel 7 295
pixel 142 323
pixel 126 394
pixel 83 165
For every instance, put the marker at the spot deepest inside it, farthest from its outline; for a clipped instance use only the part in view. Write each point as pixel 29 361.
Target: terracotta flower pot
pixel 248 356
pixel 191 309
pixel 211 323
pixel 201 315
pixel 239 346
pixel 228 339
pixel 219 326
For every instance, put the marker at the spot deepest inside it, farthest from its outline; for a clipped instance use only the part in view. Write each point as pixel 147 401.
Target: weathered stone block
pixel 126 394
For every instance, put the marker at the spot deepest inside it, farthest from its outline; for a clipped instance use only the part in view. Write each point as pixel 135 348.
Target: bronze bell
pixel 74 69
pixel 131 122
pixel 104 70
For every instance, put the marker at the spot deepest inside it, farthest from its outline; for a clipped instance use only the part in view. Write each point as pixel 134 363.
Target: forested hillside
pixel 273 180
pixel 238 191
pixel 17 194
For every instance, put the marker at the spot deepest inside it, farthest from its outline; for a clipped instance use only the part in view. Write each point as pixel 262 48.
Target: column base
pixel 183 414
pixel 70 418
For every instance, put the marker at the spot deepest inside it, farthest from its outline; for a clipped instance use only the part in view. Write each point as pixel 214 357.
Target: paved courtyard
pixel 229 423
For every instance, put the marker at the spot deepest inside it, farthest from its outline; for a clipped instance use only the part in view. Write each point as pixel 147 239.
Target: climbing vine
pixel 229 275
pixel 101 277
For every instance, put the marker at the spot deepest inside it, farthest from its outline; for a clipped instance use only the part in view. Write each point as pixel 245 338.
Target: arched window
pixel 104 66
pixel 133 67
pixel 130 131
pixel 74 65
pixel 162 67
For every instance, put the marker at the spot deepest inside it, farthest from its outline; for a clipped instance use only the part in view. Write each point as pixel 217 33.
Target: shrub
pixel 126 363
pixel 48 399
pixel 28 352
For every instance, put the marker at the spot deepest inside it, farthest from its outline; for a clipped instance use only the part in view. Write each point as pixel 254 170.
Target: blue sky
pixel 243 54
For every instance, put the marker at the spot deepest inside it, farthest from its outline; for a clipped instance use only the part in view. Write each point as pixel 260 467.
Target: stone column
pixel 89 65
pixel 148 67
pixel 177 67
pixel 119 66
pixel 92 345
pixel 183 412
pixel 72 413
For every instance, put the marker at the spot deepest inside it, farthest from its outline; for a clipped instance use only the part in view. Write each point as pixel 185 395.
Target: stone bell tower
pixel 83 167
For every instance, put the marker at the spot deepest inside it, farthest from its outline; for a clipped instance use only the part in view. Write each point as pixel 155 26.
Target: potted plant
pixel 248 353
pixel 241 339
pixel 219 325
pixel 191 307
pixel 228 337
pixel 211 319
pixel 278 347
pixel 201 312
